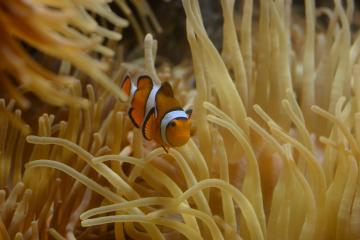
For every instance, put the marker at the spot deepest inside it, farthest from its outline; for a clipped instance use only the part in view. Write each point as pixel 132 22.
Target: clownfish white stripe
pixel 167 119
pixel 132 91
pixel 150 103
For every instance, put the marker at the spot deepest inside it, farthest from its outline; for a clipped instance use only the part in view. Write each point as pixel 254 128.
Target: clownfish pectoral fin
pixel 192 130
pixel 188 113
pixel 144 82
pixel 135 117
pixel 166 89
pixel 126 85
pixel 165 149
pixel 148 125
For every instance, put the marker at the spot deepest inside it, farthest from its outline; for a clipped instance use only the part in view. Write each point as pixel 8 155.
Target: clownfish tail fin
pixel 126 84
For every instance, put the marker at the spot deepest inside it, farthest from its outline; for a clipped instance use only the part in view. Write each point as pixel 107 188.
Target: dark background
pixel 173 45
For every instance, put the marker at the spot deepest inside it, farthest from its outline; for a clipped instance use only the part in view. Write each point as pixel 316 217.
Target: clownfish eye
pixel 173 124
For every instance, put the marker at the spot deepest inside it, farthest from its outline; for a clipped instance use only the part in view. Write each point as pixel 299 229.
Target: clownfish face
pixel 178 131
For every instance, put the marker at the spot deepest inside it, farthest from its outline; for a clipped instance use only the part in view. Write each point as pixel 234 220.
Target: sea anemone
pixel 275 153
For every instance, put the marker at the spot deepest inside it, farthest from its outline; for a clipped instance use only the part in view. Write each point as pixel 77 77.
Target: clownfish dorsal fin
pixel 148 125
pixel 166 89
pixel 126 84
pixel 144 82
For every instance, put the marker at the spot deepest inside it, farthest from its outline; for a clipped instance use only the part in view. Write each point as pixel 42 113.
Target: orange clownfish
pixel 155 110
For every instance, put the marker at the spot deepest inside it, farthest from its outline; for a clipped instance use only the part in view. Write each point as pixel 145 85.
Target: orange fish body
pixel 156 111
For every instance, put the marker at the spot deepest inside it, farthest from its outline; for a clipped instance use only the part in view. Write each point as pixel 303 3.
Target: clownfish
pixel 157 112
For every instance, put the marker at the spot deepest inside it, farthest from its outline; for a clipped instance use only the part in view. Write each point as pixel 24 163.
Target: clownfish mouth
pixel 180 139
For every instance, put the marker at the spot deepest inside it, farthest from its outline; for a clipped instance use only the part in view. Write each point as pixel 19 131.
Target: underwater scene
pixel 170 119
